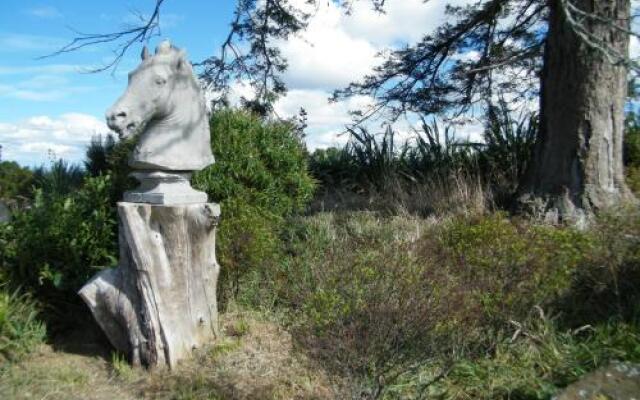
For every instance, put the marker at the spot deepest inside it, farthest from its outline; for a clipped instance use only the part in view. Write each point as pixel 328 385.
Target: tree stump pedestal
pixel 160 302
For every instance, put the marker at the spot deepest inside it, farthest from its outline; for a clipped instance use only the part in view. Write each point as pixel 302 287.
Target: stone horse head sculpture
pixel 164 105
pixel 164 108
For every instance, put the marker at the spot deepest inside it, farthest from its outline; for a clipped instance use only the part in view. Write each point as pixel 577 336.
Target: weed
pixel 20 329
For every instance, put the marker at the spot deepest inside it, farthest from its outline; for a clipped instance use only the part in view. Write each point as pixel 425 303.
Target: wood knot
pixel 212 215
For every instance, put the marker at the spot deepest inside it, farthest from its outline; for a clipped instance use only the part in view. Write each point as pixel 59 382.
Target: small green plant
pixel 106 156
pixel 121 367
pixel 60 178
pixel 20 329
pixel 238 328
pixel 432 173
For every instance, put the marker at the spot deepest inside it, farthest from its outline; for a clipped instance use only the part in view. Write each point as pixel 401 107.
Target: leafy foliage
pixel 56 245
pixel 506 149
pixel 15 181
pixel 437 75
pixel 260 177
pixel 108 157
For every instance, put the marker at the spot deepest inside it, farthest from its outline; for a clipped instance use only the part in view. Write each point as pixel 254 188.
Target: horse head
pixel 154 90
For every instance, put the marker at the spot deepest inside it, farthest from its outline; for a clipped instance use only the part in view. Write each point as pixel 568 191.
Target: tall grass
pixel 435 172
pixel 60 178
pixel 20 329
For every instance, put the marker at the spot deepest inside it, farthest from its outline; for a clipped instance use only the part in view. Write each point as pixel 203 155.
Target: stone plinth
pixel 160 303
pixel 164 187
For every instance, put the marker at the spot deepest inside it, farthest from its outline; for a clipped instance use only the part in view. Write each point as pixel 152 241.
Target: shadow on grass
pixel 78 333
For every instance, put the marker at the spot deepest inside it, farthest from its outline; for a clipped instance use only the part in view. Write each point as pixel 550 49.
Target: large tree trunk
pixel 577 165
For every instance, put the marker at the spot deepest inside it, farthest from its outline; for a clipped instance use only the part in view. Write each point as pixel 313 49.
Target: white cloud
pixel 321 112
pixel 634 47
pixel 325 121
pixel 403 20
pixel 325 55
pixel 43 87
pixel 337 49
pixel 19 42
pixel 43 69
pixel 34 140
pixel 45 12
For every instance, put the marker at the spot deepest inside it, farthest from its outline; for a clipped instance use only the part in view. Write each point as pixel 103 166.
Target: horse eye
pixel 160 81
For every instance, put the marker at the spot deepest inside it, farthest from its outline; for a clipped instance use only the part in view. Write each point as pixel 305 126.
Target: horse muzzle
pixel 120 121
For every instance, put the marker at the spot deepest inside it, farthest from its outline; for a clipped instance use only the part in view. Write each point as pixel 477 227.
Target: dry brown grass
pixel 456 195
pixel 58 375
pixel 255 359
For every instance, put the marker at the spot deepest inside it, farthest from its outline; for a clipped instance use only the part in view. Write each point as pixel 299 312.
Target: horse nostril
pixel 121 114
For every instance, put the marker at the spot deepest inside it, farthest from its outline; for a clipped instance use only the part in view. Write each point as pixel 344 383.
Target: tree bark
pixel 577 168
pixel 160 303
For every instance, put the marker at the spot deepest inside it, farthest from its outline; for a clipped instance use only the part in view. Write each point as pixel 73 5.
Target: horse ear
pixel 183 64
pixel 145 53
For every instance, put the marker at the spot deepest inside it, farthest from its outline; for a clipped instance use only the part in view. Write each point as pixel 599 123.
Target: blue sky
pixel 52 86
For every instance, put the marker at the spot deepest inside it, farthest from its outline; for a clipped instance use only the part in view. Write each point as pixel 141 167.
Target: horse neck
pixel 187 115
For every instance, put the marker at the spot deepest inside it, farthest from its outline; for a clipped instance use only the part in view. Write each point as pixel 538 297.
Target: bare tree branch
pixel 125 39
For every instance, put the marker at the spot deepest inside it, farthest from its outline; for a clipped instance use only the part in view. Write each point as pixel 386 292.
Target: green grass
pixel 20 329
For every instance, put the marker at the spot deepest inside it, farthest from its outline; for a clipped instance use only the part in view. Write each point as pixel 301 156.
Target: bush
pixel 260 178
pixel 55 246
pixel 373 297
pixel 393 302
pixel 20 330
pixel 15 182
pixel 70 231
pixel 108 157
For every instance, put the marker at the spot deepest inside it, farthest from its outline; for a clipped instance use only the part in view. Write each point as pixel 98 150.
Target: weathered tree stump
pixel 160 303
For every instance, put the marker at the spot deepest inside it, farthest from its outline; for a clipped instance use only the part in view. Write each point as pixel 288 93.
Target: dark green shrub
pixel 534 363
pixel 607 284
pixel 505 154
pixel 432 169
pixel 332 167
pixel 52 248
pixel 15 182
pixel 58 179
pixel 260 178
pixel 632 140
pixel 108 157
